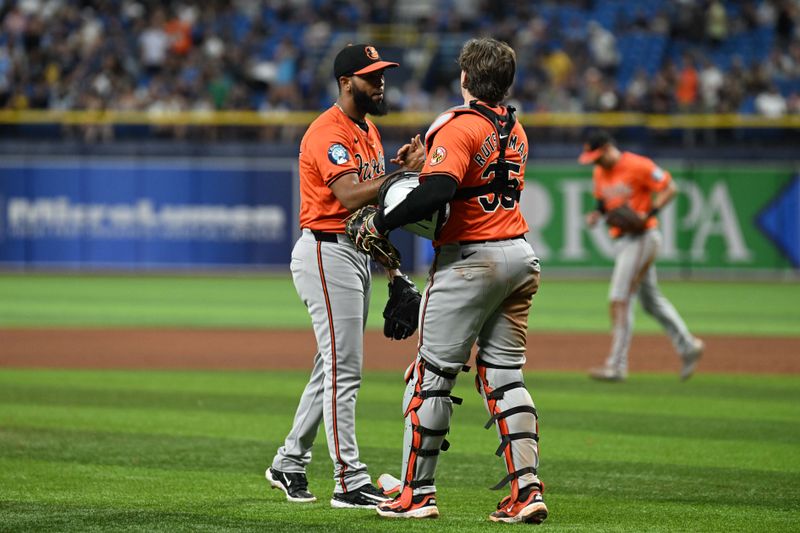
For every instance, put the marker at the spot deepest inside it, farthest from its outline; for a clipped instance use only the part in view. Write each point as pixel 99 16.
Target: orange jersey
pixel 334 146
pixel 632 180
pixel 463 144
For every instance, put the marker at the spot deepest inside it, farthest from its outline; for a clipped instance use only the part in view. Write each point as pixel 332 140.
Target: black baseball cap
pixel 356 59
pixel 593 146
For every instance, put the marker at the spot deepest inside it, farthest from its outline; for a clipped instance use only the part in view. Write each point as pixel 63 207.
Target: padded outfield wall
pixel 728 217
pixel 134 213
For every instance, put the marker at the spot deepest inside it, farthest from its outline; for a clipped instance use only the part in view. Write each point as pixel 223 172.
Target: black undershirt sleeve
pixel 422 202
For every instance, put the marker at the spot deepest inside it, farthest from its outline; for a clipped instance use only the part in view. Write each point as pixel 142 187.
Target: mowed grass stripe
pixel 602 414
pixel 388 386
pixel 172 451
pixel 193 457
pixel 130 498
pixel 682 447
pixel 162 450
pixel 251 416
pixel 721 397
pixel 206 382
pixel 271 302
pixel 585 496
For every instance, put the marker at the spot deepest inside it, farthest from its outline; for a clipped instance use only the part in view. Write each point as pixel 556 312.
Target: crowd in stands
pixel 657 56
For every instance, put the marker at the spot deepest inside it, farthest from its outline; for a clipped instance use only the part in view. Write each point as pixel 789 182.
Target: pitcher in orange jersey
pixel 341 168
pixel 626 178
pixel 479 289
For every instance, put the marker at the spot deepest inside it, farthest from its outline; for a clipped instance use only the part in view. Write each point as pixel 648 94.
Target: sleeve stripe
pixel 340 174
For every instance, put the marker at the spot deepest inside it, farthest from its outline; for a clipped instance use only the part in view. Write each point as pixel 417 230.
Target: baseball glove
pixel 401 313
pixel 626 219
pixel 360 228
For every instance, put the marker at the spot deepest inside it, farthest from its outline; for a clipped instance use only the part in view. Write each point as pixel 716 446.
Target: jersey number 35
pixel 491 202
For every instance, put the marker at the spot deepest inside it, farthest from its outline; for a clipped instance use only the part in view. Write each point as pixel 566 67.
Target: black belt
pixel 325 236
pixel 462 243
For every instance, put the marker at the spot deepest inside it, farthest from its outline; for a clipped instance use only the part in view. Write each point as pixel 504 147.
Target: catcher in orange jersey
pixel 630 190
pixel 479 289
pixel 341 168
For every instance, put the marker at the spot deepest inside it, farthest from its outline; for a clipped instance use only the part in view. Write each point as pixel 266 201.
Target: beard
pixel 365 104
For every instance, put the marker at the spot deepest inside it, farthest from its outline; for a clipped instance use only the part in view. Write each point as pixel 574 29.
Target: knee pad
pixel 512 411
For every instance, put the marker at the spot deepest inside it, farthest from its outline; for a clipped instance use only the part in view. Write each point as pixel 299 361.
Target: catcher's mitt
pixel 359 226
pixel 626 219
pixel 401 313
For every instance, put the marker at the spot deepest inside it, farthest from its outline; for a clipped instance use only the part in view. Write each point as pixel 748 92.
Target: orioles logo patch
pixel 372 53
pixel 438 155
pixel 338 154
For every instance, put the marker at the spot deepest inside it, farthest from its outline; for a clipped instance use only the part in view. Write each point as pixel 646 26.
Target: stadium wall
pixel 137 212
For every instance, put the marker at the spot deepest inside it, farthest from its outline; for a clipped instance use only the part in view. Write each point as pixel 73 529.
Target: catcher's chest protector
pixel 503 125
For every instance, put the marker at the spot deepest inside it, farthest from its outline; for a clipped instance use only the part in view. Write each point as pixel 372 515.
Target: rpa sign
pixel 712 223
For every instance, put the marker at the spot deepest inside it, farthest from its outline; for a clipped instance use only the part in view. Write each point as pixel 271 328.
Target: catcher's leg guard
pixel 512 410
pixel 428 406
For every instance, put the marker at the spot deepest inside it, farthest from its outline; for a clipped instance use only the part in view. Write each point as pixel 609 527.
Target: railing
pixel 399 119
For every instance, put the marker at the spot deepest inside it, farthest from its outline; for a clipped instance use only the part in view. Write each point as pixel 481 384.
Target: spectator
pixel 687 87
pixel 793 60
pixel 793 103
pixel 716 22
pixel 771 103
pixel 748 17
pixel 689 20
pixel 710 80
pixel 778 65
pixel 239 53
pixel 179 33
pixel 732 91
pixel 636 92
pixel 767 15
pixel 153 43
pixel 558 66
pixel 785 22
pixel 660 96
pixel 603 48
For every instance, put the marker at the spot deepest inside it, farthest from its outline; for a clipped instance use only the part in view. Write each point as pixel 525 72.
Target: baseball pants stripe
pixel 335 429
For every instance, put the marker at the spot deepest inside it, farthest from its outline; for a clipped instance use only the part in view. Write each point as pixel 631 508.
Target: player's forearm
pixel 662 198
pixel 353 193
pixel 420 203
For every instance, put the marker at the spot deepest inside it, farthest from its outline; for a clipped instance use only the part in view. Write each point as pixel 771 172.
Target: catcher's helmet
pixel 397 190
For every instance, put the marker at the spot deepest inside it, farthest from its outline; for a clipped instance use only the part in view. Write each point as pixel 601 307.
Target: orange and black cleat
pixel 408 506
pixel 529 507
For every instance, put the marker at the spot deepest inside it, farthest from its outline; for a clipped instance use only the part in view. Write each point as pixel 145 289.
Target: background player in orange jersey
pixel 341 168
pixel 628 179
pixel 479 289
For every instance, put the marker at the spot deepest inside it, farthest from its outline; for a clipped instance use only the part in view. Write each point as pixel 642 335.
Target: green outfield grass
pixel 270 302
pixel 171 451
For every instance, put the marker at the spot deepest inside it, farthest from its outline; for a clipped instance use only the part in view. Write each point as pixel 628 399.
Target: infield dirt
pixel 294 349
